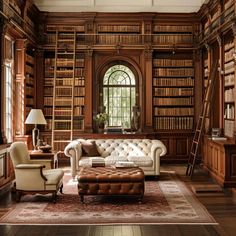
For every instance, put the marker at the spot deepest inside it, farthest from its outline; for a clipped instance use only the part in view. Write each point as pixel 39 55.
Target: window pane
pixel 119 95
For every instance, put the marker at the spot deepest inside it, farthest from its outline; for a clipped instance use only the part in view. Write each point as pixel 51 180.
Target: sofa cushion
pixel 111 160
pixel 90 149
pixel 141 160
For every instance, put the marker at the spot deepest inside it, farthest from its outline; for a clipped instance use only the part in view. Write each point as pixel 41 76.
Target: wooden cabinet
pixel 220 160
pixel 6 168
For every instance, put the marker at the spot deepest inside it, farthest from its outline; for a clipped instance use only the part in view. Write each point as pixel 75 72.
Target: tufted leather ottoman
pixel 110 181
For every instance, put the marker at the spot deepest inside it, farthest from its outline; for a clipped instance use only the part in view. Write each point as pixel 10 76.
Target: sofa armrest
pixel 159 147
pixel 74 151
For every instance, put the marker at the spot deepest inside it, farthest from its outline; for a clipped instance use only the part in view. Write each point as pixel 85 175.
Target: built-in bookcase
pixel 229 85
pixel 173 91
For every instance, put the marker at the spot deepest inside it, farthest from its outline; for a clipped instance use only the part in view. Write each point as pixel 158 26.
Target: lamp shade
pixel 36 117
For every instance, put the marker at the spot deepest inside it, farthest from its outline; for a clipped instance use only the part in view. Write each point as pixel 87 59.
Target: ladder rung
pixel 193 154
pixel 195 141
pixel 59 141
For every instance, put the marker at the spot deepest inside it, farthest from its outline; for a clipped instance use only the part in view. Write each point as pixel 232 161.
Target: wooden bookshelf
pixel 173 92
pixel 64 87
pixel 229 85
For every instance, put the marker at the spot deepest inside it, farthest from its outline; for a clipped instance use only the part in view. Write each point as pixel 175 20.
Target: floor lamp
pixel 35 117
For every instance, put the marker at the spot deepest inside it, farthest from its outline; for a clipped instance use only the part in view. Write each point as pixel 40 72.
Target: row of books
pixel 64 62
pixel 177 111
pixel 114 39
pixel 173 91
pixel 186 72
pixel 173 101
pixel 118 28
pixel 173 81
pixel 229 79
pixel 172 28
pixel 30 59
pixel 65 28
pixel 229 55
pixel 78 91
pixel 29 91
pixel 229 94
pixel 64 81
pixel 77 111
pixel 173 39
pixel 62 72
pixel 229 67
pixel 168 123
pixel 77 125
pixel 172 62
pixel 229 111
pixel 29 80
pixel 229 128
pixel 229 45
pixel 29 69
pixel 29 102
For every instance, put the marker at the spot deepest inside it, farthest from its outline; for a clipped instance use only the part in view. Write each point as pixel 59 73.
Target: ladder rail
pixel 208 96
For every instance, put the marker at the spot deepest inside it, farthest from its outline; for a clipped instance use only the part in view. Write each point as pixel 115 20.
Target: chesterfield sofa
pixel 144 153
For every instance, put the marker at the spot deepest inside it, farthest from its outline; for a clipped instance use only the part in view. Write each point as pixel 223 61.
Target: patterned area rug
pixel 166 201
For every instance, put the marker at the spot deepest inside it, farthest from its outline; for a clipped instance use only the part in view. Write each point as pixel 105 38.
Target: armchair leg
pixel 54 197
pixel 18 196
pixel 61 188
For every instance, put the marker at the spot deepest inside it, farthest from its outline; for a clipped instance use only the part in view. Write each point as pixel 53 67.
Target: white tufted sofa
pixel 143 152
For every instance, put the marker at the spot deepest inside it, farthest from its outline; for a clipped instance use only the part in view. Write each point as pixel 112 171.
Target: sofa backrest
pixel 124 147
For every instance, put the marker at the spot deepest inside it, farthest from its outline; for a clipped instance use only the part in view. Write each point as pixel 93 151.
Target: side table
pixel 45 155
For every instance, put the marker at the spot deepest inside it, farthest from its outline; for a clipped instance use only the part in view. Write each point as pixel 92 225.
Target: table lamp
pixel 35 117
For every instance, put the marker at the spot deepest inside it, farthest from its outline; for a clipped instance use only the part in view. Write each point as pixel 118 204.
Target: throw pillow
pixel 90 149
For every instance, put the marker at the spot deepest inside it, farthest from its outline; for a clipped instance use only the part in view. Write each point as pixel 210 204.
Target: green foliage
pixel 101 118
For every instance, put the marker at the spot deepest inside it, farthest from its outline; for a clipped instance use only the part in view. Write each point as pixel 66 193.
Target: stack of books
pixel 97 162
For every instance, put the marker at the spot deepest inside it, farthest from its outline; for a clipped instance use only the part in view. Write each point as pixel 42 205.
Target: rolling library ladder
pixel 63 89
pixel 209 90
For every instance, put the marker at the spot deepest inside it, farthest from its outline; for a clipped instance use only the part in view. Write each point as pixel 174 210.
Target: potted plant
pixel 101 119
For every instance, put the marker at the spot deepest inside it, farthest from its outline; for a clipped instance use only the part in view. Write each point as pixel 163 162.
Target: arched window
pixel 119 95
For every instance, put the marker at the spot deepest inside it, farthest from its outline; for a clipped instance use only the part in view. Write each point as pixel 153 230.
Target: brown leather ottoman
pixel 110 181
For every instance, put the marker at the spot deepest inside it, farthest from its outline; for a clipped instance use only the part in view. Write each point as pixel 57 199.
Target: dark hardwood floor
pixel 222 206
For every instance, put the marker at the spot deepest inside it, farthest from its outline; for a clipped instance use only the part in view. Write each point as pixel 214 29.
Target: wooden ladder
pixel 64 47
pixel 209 90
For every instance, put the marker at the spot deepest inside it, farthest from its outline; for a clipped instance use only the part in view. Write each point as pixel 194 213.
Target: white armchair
pixel 34 176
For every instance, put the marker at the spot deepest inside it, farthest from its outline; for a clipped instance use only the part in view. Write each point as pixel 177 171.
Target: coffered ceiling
pixel 119 5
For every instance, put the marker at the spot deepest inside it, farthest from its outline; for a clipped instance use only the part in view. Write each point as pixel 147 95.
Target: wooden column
pixel 221 82
pixel 88 103
pixel 19 89
pixel 147 98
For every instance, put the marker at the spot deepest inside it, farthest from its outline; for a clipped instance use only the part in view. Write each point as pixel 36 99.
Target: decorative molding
pixel 89 52
pixel 219 40
pixel 148 52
